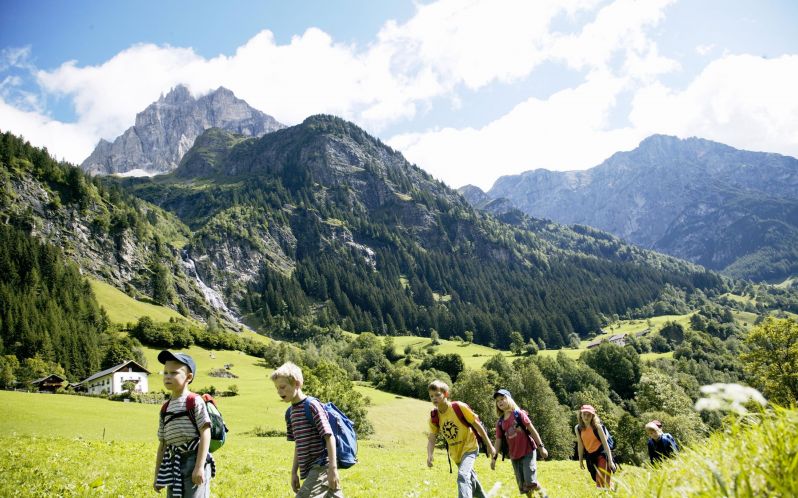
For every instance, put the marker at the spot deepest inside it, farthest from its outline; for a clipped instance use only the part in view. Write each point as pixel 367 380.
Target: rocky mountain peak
pixel 167 129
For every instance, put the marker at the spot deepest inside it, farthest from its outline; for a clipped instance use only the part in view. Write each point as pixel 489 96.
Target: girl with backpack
pixel 517 437
pixel 593 446
pixel 661 445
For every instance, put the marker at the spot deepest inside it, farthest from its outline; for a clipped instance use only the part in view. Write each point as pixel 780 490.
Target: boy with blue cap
pixel 183 464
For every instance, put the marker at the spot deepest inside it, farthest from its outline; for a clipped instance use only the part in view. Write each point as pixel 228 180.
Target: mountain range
pixel 167 128
pixel 729 210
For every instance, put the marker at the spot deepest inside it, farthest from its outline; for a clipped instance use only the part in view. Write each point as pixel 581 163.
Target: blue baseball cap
pixel 502 392
pixel 183 358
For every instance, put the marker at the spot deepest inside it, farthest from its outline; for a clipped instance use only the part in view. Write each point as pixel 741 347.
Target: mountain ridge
pixel 650 195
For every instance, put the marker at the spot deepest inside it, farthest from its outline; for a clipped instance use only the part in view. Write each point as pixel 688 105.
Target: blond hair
pixel 438 385
pixel 289 371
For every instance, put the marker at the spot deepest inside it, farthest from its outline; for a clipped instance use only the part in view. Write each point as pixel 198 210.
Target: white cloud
pixel 567 131
pixel 63 140
pixel 741 100
pixel 447 48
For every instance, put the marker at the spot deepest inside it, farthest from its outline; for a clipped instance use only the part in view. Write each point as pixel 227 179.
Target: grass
pixel 122 308
pixel 753 457
pixel 43 436
pixel 466 350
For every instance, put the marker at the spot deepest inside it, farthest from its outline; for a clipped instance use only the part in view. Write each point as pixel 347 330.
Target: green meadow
pixel 60 445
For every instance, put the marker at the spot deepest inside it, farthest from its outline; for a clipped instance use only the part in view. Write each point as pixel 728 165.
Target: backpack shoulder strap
pixel 308 414
pixel 520 423
pixel 191 404
pixel 435 417
pixel 164 406
pixel 459 412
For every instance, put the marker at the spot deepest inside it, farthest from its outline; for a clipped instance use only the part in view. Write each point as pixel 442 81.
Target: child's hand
pixel 492 453
pixel 333 482
pixel 543 453
pixel 198 476
pixel 156 487
pixel 492 464
pixel 429 461
pixel 295 482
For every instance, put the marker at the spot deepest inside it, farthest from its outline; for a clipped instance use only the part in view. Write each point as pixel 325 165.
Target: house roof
pixel 113 369
pixel 39 381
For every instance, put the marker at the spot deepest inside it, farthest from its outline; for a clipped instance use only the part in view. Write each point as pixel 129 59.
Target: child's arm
pixel 484 435
pixel 431 447
pixel 539 442
pixel 496 444
pixel 607 451
pixel 333 480
pixel 580 450
pixel 295 472
pixel 158 460
pixel 198 475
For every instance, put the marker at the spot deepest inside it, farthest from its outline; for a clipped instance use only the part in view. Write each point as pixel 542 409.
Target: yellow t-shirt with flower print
pixel 460 438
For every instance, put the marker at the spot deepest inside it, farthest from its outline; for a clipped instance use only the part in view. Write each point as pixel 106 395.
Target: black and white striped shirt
pixel 180 430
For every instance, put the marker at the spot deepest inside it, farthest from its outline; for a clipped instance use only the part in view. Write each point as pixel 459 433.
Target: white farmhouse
pixel 111 379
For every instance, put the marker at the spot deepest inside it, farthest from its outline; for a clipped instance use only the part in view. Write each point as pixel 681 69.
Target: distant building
pixel 51 383
pixel 110 380
pixel 619 339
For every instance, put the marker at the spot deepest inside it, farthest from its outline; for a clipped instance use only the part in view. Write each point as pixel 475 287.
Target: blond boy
pixel 462 444
pixel 314 451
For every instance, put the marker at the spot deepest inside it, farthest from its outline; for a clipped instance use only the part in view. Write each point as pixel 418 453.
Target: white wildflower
pixel 728 397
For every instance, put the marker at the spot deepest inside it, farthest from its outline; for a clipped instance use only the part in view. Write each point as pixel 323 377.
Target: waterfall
pixel 211 296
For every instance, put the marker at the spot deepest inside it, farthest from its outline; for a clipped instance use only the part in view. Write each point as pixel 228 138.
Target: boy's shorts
pixel 189 488
pixel 315 485
pixel 526 472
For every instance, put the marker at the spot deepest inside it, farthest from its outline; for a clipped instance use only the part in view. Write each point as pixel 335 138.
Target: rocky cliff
pixel 166 129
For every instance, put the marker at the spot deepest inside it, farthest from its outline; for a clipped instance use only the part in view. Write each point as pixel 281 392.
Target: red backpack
pixel 459 412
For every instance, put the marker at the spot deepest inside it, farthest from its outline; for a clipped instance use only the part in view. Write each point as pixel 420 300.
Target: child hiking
pixel 314 452
pixel 593 446
pixel 183 464
pixel 456 422
pixel 518 438
pixel 661 445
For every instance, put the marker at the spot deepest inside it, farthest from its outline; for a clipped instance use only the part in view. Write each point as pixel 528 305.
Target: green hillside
pixel 122 308
pixel 115 442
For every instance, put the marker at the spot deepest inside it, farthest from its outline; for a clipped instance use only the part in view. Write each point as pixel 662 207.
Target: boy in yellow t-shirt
pixel 462 443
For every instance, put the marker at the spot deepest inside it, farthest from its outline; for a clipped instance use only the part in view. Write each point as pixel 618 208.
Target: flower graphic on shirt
pixel 450 430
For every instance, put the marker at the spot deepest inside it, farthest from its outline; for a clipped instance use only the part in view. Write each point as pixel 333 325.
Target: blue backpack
pixel 342 428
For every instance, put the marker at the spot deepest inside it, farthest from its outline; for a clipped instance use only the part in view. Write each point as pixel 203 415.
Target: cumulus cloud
pixel 741 100
pixel 448 49
pixel 569 130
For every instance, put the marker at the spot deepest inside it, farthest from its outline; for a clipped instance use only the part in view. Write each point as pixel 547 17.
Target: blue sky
pixel 468 90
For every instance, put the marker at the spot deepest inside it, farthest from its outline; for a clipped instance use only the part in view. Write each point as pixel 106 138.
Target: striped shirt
pixel 310 447
pixel 180 430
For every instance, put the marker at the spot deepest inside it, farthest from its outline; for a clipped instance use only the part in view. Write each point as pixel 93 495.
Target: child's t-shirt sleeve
pixel 468 415
pixel 525 418
pixel 201 415
pixel 289 431
pixel 320 419
pixel 160 428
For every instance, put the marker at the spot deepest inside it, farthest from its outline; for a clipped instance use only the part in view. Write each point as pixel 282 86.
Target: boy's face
pixel 176 376
pixel 437 397
pixel 286 389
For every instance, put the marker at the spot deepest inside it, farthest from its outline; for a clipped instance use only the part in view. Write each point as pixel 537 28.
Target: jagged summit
pixel 168 127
